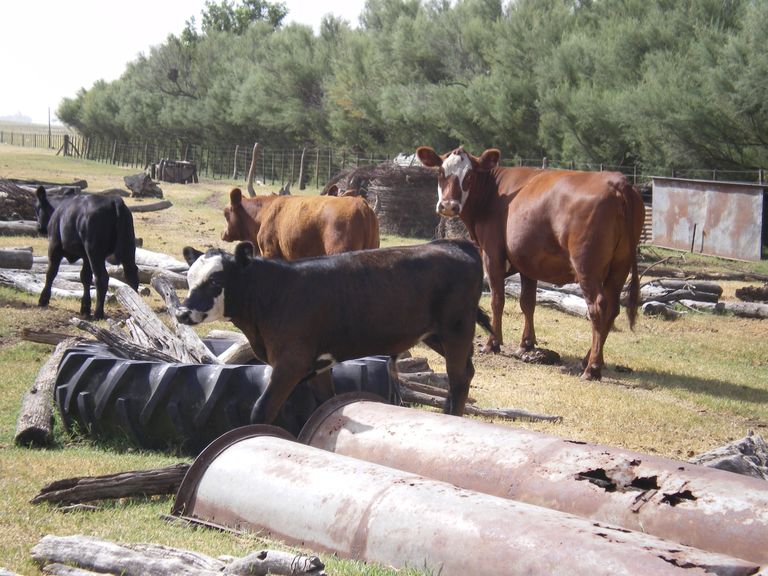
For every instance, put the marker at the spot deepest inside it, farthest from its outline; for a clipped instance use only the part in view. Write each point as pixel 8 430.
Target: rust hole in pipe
pixel 677 497
pixel 618 479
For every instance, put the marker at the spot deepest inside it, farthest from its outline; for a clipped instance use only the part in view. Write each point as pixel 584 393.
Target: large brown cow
pixel 556 226
pixel 291 227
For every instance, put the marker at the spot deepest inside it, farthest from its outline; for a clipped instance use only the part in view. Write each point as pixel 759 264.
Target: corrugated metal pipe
pixel 255 478
pixel 698 506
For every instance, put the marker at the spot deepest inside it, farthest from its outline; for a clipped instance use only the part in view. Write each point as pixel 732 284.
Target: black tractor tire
pixel 184 407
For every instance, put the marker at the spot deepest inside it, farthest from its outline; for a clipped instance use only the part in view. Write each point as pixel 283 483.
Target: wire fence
pixel 305 166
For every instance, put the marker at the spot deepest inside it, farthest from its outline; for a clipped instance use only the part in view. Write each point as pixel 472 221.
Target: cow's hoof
pixel 491 348
pixel 592 373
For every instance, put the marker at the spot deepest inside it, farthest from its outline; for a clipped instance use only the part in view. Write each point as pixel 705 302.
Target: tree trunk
pixel 252 170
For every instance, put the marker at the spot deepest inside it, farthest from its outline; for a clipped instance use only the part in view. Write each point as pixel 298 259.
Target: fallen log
pixel 103 556
pixel 33 283
pixel 153 207
pixel 137 483
pixel 238 353
pixel 436 391
pixel 409 395
pixel 563 301
pixel 43 336
pixel 660 309
pixel 178 281
pixel 18 228
pixel 34 426
pixel 57 569
pixel 666 290
pixel 20 258
pixel 159 260
pixel 702 275
pixel 412 365
pixel 740 309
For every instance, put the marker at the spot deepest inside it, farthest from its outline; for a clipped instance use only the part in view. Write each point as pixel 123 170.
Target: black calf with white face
pixel 302 316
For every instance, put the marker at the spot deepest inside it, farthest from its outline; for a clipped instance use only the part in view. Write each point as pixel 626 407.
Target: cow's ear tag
pixel 243 253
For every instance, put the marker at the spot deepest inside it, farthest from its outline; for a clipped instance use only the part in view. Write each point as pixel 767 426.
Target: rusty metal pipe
pixel 324 501
pixel 694 505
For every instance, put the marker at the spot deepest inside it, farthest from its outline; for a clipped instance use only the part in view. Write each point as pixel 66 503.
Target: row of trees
pixel 651 82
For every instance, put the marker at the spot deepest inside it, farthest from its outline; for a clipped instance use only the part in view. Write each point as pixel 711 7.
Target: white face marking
pixel 197 275
pixel 456 165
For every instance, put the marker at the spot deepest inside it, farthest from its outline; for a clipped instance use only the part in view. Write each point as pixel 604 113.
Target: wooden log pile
pixel 403 197
pixel 657 297
pixel 16 203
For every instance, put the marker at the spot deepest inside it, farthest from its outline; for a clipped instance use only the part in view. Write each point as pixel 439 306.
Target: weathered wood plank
pixel 122 485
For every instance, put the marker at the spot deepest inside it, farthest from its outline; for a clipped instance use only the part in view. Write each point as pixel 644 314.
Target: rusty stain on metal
pixel 715 218
pixel 695 505
pixel 253 478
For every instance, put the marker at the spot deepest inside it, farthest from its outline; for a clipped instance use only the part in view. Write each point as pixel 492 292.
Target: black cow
pixel 302 316
pixel 92 228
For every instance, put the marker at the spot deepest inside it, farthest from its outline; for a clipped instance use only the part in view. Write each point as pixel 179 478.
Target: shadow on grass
pixel 651 380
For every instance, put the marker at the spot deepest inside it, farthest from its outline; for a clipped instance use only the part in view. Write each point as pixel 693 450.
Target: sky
pixel 49 49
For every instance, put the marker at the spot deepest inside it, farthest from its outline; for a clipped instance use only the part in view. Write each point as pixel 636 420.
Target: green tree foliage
pixel 655 82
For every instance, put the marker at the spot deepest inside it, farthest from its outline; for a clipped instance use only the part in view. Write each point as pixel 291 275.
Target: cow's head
pixel 208 277
pixel 455 176
pixel 43 210
pixel 240 224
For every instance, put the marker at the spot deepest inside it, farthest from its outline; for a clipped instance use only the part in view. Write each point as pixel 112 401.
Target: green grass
pixel 695 383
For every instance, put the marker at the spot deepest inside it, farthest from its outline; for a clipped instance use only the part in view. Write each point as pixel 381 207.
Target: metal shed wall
pixel 708 217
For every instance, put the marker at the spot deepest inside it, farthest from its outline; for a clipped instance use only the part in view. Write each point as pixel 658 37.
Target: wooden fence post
pixel 301 170
pixel 234 169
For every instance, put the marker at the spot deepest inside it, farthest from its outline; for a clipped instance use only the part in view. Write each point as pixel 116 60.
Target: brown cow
pixel 291 227
pixel 556 226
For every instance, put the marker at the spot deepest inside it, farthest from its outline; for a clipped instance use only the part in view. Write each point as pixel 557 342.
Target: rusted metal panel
pixel 357 509
pixel 694 505
pixel 707 217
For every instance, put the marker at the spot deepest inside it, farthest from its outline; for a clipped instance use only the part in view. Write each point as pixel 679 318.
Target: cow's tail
pixel 632 218
pixel 484 321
